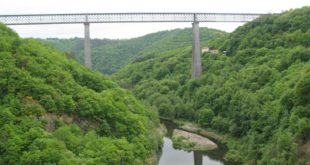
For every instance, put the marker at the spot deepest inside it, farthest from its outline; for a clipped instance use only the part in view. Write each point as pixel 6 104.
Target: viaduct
pixel 88 18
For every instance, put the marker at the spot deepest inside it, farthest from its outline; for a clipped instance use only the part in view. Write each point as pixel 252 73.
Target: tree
pixel 303 90
pixel 205 117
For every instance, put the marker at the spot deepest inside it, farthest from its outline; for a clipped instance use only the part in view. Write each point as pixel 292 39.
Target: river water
pixel 172 156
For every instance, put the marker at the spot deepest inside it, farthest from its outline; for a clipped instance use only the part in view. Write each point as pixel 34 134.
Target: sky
pixel 121 31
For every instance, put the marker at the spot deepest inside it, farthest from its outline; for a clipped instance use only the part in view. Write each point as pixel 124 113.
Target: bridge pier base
pixel 196 51
pixel 87 49
pixel 198 158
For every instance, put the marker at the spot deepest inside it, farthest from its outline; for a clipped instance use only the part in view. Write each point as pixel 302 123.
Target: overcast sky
pixel 134 30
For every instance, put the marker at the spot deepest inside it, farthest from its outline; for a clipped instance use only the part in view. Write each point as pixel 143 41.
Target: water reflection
pixel 171 156
pixel 197 158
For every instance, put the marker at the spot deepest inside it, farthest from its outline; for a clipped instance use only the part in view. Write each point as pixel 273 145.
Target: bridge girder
pixel 125 18
pixel 87 18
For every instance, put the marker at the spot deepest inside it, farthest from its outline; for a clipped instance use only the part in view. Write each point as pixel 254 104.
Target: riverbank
pixel 194 128
pixel 191 142
pixel 153 158
pixel 173 154
pixel 223 141
pixel 220 140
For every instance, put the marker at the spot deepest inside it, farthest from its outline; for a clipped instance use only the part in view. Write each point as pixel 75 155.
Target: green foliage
pixel 112 55
pixel 205 117
pixel 258 91
pixel 107 126
pixel 181 142
pixel 303 90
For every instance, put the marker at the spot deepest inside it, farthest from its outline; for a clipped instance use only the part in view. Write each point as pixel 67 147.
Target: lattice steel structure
pixel 125 18
pixel 88 18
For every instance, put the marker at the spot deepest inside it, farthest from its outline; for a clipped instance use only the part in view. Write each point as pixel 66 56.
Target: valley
pixel 252 100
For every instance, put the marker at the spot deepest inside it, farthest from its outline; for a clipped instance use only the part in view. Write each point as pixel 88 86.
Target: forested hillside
pixel 257 92
pixel 111 55
pixel 55 111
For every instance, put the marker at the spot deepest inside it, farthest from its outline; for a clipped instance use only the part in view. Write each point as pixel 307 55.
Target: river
pixel 172 156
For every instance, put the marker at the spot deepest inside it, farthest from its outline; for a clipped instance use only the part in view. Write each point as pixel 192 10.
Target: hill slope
pixel 111 55
pixel 258 93
pixel 54 111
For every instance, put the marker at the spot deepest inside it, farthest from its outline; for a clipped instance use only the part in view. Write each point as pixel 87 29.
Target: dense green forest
pixel 111 55
pixel 256 90
pixel 55 111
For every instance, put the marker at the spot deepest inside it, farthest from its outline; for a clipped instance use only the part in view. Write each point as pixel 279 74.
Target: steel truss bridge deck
pixel 125 18
pixel 87 18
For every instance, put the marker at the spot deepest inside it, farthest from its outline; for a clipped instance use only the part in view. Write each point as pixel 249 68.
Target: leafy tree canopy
pixel 55 111
pixel 255 89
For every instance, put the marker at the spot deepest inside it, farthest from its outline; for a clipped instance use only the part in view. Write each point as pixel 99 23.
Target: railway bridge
pixel 89 18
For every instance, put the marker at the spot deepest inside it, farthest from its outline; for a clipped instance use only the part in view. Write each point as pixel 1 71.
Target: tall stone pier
pixel 87 50
pixel 196 51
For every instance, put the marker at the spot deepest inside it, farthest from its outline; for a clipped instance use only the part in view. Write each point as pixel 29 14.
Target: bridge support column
pixel 196 51
pixel 198 158
pixel 87 49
